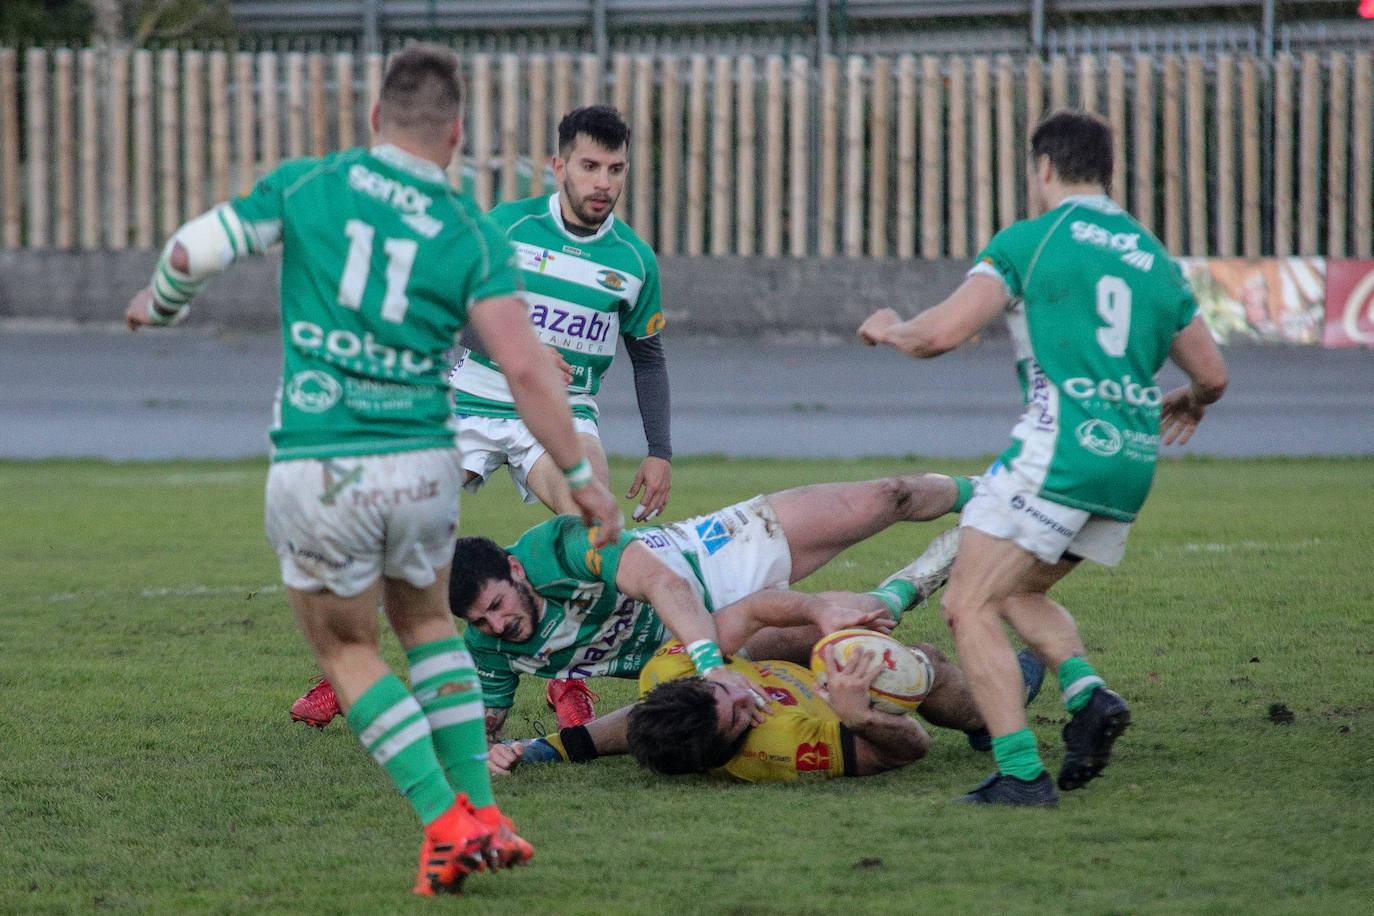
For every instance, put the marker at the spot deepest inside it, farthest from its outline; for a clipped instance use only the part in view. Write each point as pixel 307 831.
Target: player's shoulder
pixel 622 234
pixel 507 214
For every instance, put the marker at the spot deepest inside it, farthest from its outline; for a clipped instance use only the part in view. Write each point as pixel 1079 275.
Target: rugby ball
pixel 906 676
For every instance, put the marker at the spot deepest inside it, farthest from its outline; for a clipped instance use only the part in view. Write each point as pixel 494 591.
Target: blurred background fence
pixel 864 156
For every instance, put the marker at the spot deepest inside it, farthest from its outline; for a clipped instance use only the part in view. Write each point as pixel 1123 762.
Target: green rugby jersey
pixel 587 627
pixel 583 291
pixel 1096 302
pixel 381 260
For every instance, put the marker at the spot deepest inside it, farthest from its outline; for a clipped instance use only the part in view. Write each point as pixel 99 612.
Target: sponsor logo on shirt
pixel 341 346
pixel 409 200
pixel 313 391
pixel 1099 437
pixel 540 260
pixel 1116 391
pixel 569 327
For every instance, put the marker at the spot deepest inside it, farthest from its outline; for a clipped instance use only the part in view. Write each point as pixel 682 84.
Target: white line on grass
pixel 176 591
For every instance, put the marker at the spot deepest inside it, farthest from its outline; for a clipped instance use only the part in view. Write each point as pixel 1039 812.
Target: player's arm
pixel 977 301
pixel 654 479
pixel 1193 351
pixel 199 250
pixel 504 326
pixel 604 736
pixel 644 577
pixel 496 722
pixel 882 740
pixel 736 623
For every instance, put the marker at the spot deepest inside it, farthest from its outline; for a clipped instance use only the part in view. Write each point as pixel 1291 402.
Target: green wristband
pixel 579 475
pixel 705 655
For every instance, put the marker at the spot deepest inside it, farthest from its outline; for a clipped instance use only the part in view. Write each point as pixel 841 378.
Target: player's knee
pixel 897 493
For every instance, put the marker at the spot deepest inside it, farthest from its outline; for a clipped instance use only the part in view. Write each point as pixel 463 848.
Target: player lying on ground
pixel 683 725
pixel 554 606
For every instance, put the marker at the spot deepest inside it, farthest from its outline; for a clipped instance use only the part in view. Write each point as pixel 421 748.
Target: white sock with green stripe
pixel 445 683
pixel 393 728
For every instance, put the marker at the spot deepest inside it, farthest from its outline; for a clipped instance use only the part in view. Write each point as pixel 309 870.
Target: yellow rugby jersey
pixel 801 739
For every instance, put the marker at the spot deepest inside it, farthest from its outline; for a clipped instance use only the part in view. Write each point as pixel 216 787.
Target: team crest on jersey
pixel 313 391
pixel 613 281
pixel 781 696
pixel 813 757
pixel 714 535
pixel 654 325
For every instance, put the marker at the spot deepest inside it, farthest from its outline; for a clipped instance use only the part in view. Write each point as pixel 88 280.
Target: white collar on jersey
pixel 392 154
pixel 1100 202
pixel 556 209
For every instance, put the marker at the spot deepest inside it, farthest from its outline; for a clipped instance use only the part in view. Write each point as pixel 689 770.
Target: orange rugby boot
pixel 507 849
pixel 453 849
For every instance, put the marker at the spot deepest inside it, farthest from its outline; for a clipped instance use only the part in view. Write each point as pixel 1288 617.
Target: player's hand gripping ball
pixel 906 676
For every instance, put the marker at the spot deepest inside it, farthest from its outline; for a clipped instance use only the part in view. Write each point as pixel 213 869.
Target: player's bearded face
pixel 591 180
pixel 505 609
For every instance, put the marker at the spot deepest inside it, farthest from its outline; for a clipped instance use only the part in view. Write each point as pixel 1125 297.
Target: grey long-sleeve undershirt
pixel 651 390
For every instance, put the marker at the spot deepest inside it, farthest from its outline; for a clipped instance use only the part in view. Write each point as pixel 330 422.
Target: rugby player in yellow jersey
pixel 683 724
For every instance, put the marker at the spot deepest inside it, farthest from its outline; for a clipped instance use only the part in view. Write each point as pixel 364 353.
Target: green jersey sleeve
pixel 261 210
pixel 1005 255
pixel 493 670
pixel 495 273
pixel 644 316
pixel 1187 301
pixel 561 549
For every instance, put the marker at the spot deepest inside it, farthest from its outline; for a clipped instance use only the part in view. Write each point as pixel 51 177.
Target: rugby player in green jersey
pixel 1095 306
pixel 382 265
pixel 590 281
pixel 554 606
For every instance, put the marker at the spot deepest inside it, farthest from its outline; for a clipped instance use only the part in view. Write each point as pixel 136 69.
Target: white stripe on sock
pixel 412 733
pixel 456 715
pixel 444 662
pixel 1083 683
pixel 402 710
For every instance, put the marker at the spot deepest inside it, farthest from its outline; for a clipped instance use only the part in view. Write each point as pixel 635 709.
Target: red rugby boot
pixel 453 849
pixel 571 700
pixel 318 705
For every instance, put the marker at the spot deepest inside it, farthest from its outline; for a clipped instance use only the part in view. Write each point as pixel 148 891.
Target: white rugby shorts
pixel 340 523
pixel 1006 506
pixel 739 550
pixel 489 442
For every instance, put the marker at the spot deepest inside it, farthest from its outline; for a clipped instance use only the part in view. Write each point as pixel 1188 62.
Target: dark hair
pixel 476 561
pixel 422 92
pixel 601 123
pixel 1079 145
pixel 673 729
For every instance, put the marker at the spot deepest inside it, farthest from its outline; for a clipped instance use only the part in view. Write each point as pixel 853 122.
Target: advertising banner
pixel 1266 300
pixel 1349 304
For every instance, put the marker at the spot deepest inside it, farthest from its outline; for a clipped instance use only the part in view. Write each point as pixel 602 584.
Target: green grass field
pixel 147 763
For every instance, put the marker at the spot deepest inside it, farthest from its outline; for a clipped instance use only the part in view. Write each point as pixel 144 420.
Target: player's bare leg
pixel 822 520
pixel 546 481
pixel 987 570
pixel 345 635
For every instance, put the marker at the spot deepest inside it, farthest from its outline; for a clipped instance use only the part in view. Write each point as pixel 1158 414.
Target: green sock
pixel 445 683
pixel 898 595
pixel 393 728
pixel 1077 679
pixel 965 485
pixel 1016 755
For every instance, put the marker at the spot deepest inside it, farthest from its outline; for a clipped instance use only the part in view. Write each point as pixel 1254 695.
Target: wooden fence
pixel 873 156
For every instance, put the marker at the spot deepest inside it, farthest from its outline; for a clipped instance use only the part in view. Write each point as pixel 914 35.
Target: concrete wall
pixel 719 297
